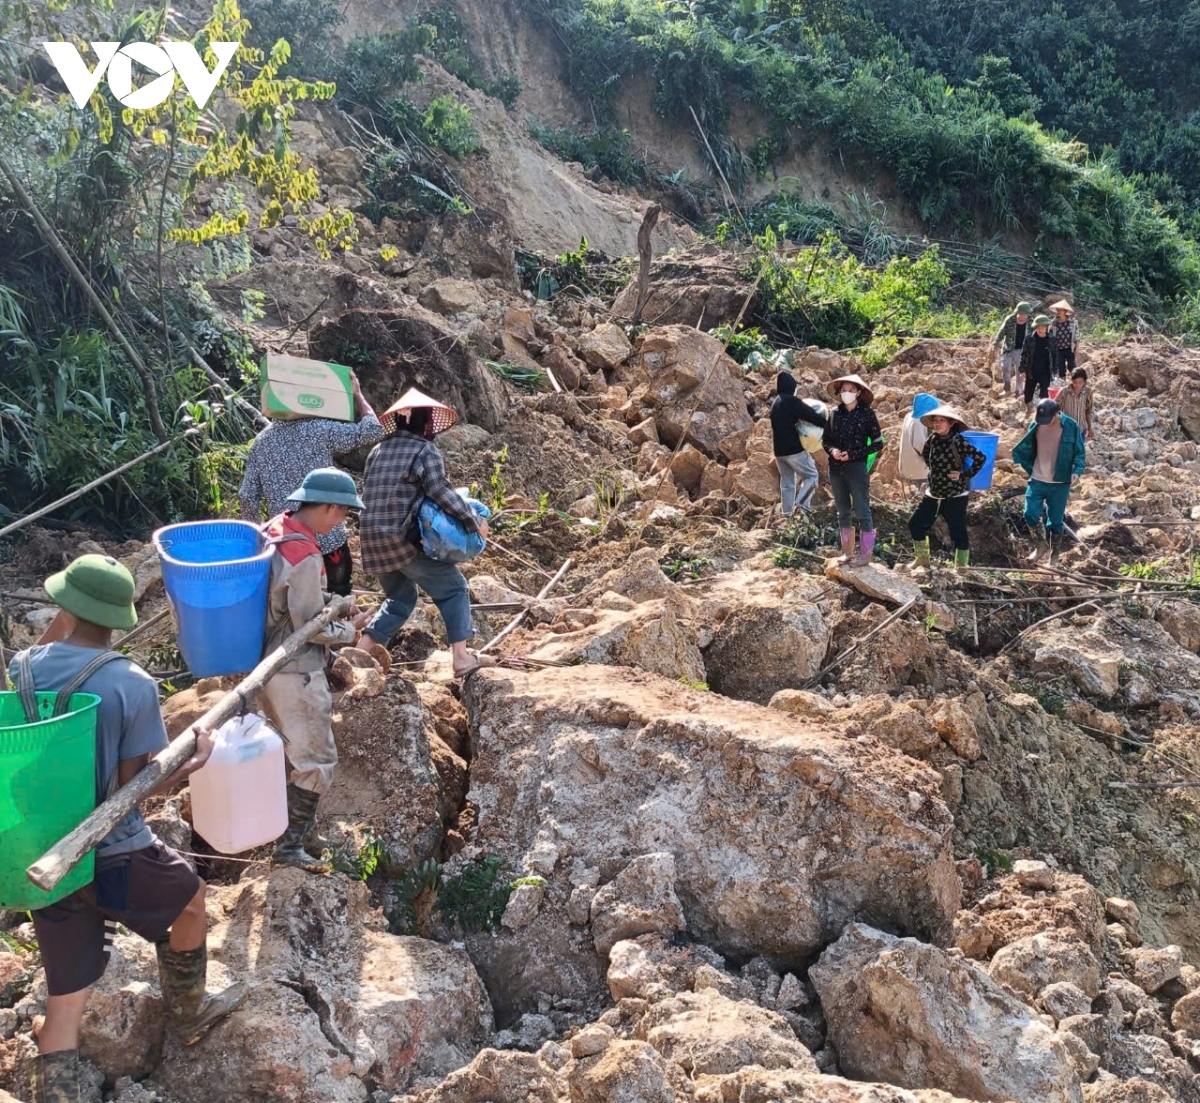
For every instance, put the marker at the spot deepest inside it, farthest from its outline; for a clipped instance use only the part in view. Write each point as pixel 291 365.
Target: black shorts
pixel 145 890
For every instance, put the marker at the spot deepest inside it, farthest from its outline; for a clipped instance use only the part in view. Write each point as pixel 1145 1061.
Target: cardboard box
pixel 293 387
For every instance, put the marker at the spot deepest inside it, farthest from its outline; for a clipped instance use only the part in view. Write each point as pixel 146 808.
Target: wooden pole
pixel 61 858
pixel 75 494
pixel 513 624
pixel 645 256
pixel 60 250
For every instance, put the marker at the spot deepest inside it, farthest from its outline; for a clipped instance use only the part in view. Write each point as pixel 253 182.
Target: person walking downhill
pixel 851 425
pixel 1037 361
pixel 298 699
pixel 1076 400
pixel 1009 339
pixel 1052 454
pixel 402 469
pixel 953 462
pixel 139 882
pixel 1064 334
pixel 787 411
pixel 285 451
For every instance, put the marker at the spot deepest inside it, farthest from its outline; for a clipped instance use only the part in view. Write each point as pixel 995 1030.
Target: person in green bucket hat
pixel 1037 361
pixel 139 882
pixel 298 698
pixel 1009 339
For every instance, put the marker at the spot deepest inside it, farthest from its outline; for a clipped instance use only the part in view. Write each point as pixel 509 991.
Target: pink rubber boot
pixel 866 546
pixel 847 536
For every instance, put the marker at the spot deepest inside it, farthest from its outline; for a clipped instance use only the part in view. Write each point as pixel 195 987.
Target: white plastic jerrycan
pixel 239 796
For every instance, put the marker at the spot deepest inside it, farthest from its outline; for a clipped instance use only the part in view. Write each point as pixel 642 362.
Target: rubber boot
pixel 866 547
pixel 962 558
pixel 292 847
pixel 920 555
pixel 1054 541
pixel 190 1008
pixel 56 1077
pixel 1037 538
pixel 847 538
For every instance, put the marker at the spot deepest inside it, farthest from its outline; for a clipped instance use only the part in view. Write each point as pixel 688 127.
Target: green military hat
pixel 97 589
pixel 327 486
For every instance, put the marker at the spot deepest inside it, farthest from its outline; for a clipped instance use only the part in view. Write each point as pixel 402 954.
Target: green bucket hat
pixel 95 588
pixel 1041 320
pixel 327 486
pixel 1024 308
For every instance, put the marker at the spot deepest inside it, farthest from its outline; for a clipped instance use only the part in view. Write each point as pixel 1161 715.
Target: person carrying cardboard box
pixel 285 451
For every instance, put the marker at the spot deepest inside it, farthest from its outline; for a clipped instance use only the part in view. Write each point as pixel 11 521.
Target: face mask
pixel 849 397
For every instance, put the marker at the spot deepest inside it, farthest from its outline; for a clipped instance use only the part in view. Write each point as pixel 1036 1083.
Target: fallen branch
pixel 61 858
pixel 1046 620
pixel 143 628
pixel 75 494
pixel 816 678
pixel 513 624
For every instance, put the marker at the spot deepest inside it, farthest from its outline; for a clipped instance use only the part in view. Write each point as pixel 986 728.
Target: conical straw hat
pixel 441 416
pixel 866 397
pixel 948 412
pixel 1062 304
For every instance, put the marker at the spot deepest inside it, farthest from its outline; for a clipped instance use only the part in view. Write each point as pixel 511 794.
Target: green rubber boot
pixel 190 1008
pixel 56 1077
pixel 921 554
pixel 962 558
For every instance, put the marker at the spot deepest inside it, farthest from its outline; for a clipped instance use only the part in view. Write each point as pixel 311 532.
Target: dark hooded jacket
pixel 786 411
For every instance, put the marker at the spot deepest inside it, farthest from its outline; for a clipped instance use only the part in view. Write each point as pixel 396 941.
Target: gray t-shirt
pixel 128 723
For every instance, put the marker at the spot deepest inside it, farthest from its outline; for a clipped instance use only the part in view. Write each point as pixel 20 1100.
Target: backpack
pixel 911 460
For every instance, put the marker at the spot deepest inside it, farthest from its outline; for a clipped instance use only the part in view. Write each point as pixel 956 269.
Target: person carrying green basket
pixel 139 882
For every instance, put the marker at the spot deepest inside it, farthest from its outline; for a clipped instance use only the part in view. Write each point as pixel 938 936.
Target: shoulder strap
pixel 27 690
pixel 63 700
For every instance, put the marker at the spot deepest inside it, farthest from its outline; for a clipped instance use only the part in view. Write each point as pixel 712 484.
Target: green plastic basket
pixel 47 788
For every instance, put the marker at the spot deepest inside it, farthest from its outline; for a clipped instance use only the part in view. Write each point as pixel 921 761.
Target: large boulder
pixel 413 347
pixel 588 767
pixel 605 347
pixel 697 287
pixel 706 1032
pixel 678 362
pixel 496 1076
pixel 909 1014
pixel 653 636
pixel 639 900
pixel 334 1001
pixel 774 639
pixel 1030 964
pixel 759 1085
pixel 1139 367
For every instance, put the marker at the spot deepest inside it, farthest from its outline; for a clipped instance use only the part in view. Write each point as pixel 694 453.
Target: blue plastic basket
pixel 923 404
pixel 216 574
pixel 987 443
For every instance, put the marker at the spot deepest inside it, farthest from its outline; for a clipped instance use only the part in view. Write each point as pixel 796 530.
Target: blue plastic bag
pixel 445 538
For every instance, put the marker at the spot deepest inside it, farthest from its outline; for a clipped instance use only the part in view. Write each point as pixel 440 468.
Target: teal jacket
pixel 1071 456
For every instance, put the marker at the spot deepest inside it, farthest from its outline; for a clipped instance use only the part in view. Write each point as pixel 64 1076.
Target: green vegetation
pixel 153 205
pixel 963 156
pixel 684 567
pixel 824 295
pixel 471 900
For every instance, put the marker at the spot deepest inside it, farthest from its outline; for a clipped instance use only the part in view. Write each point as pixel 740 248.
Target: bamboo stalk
pixel 61 858
pixel 75 494
pixel 513 624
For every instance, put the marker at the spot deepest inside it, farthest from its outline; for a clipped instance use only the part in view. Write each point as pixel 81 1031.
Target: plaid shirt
pixel 285 451
pixel 401 470
pixel 1065 333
